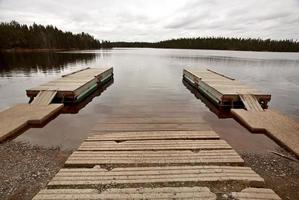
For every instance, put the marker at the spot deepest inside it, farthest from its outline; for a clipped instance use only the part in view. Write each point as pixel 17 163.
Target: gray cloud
pixel 154 20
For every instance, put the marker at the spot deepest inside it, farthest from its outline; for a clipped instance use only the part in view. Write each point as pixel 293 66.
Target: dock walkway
pixel 247 105
pixel 47 100
pixel 155 158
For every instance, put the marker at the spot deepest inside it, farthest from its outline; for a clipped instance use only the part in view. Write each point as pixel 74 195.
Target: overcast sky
pixel 154 20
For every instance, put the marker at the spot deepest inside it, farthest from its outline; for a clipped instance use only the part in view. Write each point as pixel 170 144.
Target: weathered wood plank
pixel 127 193
pixel 153 135
pixel 279 127
pixel 151 120
pixel 250 102
pixel 154 145
pixel 18 117
pixel 44 97
pixel 143 175
pixel 150 127
pixel 92 158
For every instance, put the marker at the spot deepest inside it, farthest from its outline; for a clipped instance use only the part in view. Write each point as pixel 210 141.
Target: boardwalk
pixel 147 161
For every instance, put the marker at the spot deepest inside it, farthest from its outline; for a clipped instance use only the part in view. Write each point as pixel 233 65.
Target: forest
pixel 14 35
pixel 219 43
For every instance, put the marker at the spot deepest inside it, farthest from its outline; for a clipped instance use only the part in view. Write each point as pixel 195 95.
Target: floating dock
pixel 72 87
pixel 248 106
pixel 154 158
pixel 44 99
pixel 224 91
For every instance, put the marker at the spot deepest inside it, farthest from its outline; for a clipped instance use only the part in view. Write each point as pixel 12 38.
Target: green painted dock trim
pixel 93 88
pixel 202 90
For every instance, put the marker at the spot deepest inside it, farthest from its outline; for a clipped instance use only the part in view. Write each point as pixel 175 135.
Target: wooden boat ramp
pixel 248 106
pixel 48 99
pixel 155 158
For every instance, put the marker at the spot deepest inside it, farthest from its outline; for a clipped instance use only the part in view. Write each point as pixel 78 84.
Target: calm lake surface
pixel 148 82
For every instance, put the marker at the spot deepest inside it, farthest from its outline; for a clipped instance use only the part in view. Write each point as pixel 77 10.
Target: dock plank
pixel 18 117
pixel 154 145
pixel 127 193
pixel 144 175
pixel 152 135
pixel 150 127
pixel 92 158
pixel 44 97
pixel 279 127
pixel 151 120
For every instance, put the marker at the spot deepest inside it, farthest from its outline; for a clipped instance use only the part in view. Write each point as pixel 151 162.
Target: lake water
pixel 148 82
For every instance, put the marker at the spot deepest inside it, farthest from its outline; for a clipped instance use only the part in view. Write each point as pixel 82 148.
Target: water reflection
pixel 39 62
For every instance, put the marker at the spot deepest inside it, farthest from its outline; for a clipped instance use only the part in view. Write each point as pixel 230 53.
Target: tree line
pixel 14 35
pixel 219 43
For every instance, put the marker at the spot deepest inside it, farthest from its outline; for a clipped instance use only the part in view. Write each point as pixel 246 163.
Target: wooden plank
pixel 153 135
pixel 154 145
pixel 149 175
pixel 92 158
pixel 150 127
pixel 279 127
pixel 250 102
pixel 18 117
pixel 127 193
pixel 256 194
pixel 44 97
pixel 151 120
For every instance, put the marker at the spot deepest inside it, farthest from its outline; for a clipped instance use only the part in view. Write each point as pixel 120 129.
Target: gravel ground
pixel 280 174
pixel 25 169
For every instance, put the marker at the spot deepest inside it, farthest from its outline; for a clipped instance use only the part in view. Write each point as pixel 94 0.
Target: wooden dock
pixel 224 91
pixel 282 129
pixel 160 161
pixel 248 106
pixel 72 87
pixel 16 118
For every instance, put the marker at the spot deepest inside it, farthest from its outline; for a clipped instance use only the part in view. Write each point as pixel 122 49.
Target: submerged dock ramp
pixel 154 158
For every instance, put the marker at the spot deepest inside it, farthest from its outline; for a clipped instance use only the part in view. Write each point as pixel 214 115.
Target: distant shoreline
pixel 26 50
